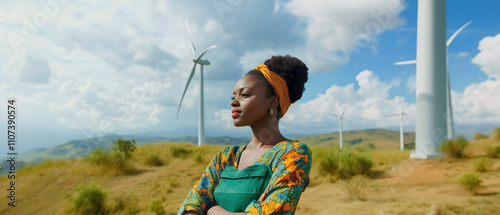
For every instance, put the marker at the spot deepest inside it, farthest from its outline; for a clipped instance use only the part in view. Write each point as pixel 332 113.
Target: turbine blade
pixel 203 53
pixel 396 114
pixel 185 88
pixel 342 113
pixel 211 47
pixel 406 62
pixel 448 42
pixel 191 37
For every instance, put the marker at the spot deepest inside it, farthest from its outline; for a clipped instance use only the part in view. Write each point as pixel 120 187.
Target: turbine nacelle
pixel 202 62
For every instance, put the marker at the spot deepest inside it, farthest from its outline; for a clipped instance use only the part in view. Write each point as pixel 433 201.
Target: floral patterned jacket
pixel 290 162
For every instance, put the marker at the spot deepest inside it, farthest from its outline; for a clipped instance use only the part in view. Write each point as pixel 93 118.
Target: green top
pixel 237 188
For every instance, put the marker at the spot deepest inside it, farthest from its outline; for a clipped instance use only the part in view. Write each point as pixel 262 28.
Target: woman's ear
pixel 275 102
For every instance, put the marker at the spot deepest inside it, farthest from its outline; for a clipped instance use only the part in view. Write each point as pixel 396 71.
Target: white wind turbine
pixel 449 109
pixel 197 60
pixel 401 128
pixel 341 143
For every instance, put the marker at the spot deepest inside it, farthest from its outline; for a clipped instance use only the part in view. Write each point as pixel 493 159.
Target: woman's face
pixel 249 101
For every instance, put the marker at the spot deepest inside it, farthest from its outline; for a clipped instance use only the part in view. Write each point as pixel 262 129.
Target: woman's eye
pixel 243 95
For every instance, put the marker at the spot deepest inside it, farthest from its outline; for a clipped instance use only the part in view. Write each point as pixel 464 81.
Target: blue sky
pixel 88 68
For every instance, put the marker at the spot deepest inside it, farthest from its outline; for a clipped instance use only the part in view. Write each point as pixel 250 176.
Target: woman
pixel 268 175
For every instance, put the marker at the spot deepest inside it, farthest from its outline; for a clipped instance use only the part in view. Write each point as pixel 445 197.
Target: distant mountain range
pixel 372 138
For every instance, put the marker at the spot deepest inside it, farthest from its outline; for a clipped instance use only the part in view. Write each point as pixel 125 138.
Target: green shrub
pixel 199 158
pixel 156 207
pixel 356 187
pixel 89 199
pixel 104 158
pixel 172 182
pixel 409 145
pixel 454 148
pixel 468 181
pixel 327 161
pixel 479 136
pixel 361 149
pixel 495 134
pixel 180 152
pixel 344 163
pixel 98 156
pixel 126 147
pixel 493 151
pixel 481 164
pixel 152 159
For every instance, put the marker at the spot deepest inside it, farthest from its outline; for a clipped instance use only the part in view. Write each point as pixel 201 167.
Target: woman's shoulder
pixel 295 146
pixel 229 151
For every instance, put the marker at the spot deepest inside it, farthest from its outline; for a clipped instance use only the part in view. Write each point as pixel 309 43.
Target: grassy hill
pixel 78 148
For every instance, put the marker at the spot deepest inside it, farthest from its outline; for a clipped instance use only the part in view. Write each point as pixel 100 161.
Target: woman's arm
pixel 290 178
pixel 218 210
pixel 201 196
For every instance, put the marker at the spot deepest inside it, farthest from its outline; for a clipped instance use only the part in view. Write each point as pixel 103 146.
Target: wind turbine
pixel 341 143
pixel 401 130
pixel 201 62
pixel 449 109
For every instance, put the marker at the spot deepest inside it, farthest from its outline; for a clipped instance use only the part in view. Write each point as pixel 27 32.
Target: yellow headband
pixel 279 85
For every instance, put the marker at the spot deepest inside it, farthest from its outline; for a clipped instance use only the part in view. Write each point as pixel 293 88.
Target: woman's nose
pixel 234 103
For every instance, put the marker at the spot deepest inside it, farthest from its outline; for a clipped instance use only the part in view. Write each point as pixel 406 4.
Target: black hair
pixel 292 70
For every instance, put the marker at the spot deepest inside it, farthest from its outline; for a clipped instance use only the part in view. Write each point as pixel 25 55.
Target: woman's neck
pixel 266 135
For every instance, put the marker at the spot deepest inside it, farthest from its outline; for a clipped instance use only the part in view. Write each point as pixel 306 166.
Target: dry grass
pixel 405 186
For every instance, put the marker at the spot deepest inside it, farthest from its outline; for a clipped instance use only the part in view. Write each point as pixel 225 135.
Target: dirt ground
pixel 410 187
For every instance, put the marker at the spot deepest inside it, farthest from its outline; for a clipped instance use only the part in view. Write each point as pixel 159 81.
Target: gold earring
pixel 271 112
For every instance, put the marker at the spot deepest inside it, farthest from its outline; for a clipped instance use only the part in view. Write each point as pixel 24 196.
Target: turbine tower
pixel 341 143
pixel 431 126
pixel 449 109
pixel 401 128
pixel 198 60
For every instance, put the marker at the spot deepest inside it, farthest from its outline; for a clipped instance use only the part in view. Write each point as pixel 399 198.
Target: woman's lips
pixel 235 114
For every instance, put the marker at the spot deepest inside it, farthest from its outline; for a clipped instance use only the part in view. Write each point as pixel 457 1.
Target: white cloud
pixel 370 85
pixel 5 88
pixel 337 28
pixel 463 54
pixel 411 83
pixel 224 118
pixel 103 64
pixel 479 102
pixel 488 56
pixel 28 68
pixel 253 58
